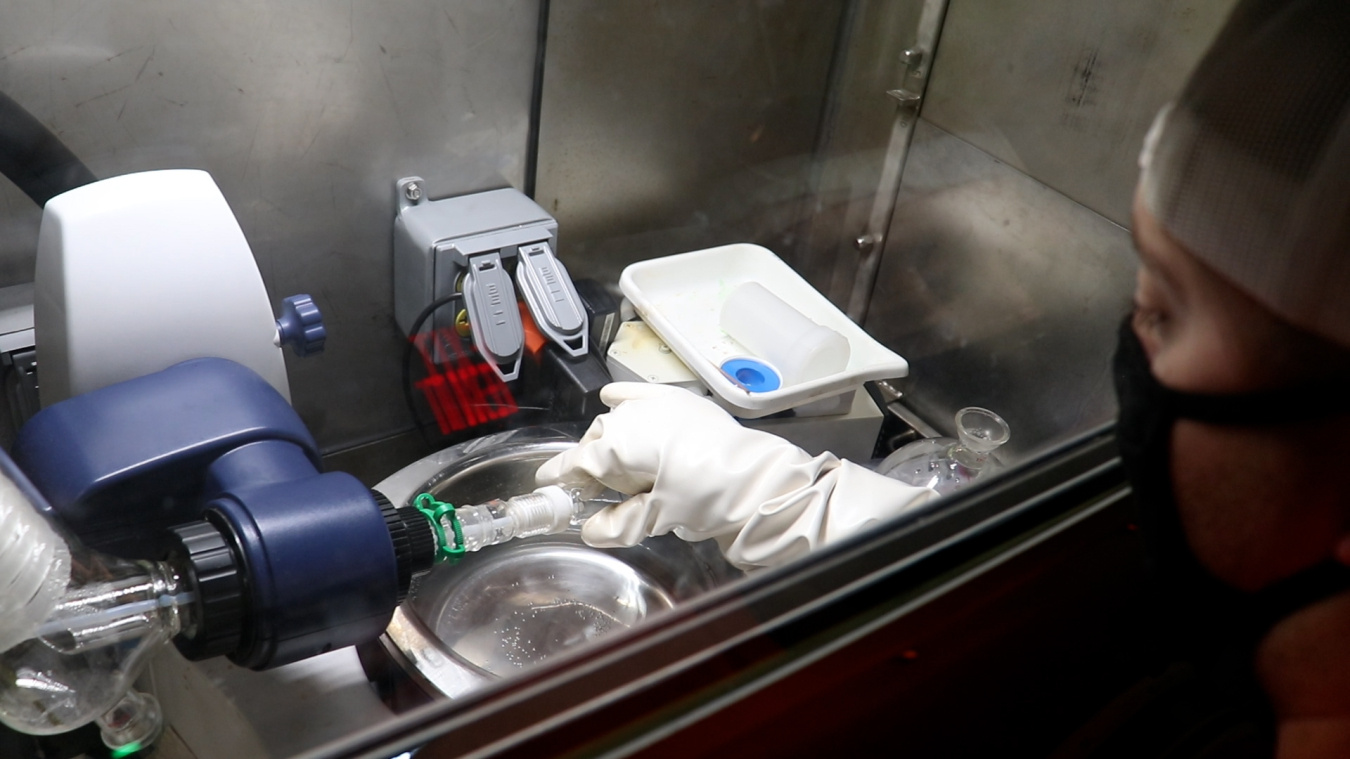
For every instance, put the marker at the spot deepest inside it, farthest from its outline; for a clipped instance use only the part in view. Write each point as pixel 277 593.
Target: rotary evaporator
pixel 167 491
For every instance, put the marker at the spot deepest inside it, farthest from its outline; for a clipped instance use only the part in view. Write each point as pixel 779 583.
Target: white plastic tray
pixel 680 297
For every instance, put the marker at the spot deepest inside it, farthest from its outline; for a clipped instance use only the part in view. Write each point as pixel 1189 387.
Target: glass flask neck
pixel 133 723
pixel 973 460
pixel 947 464
pixel 109 602
pixel 979 431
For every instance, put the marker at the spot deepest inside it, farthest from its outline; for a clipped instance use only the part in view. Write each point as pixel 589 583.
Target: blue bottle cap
pixel 752 374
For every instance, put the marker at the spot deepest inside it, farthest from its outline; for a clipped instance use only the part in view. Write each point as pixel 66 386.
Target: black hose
pixel 33 158
pixel 536 102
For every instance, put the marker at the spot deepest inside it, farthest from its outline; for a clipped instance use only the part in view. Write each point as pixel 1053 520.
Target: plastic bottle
pixel 798 348
pixel 947 464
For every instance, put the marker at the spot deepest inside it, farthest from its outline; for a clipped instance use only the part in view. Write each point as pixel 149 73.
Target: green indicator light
pixel 127 750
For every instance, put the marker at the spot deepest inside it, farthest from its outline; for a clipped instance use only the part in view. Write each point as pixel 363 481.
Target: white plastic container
pixel 681 298
pixel 800 349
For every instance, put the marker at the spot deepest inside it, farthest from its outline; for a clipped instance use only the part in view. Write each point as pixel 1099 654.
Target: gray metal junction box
pixel 469 245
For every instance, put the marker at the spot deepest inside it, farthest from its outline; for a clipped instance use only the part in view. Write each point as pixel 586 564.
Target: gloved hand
pixel 692 469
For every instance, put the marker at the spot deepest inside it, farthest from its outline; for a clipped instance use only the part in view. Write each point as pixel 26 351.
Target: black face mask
pixel 1144 434
pixel 1148 412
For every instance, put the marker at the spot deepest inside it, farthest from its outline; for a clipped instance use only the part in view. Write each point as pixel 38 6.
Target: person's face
pixel 1257 503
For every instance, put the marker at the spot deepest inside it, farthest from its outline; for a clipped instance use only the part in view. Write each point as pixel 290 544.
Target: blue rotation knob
pixel 301 326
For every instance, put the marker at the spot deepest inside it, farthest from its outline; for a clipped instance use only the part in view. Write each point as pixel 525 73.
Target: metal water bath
pixel 508 607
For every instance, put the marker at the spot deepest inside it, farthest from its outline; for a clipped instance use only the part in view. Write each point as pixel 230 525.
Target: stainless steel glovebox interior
pixel 507 607
pixel 1006 258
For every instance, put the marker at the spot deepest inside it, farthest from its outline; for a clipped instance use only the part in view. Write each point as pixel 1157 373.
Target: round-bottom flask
pixel 947 464
pixel 78 629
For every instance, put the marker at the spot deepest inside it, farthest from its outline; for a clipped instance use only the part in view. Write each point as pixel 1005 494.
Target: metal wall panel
pixel 305 112
pixel 1065 90
pixel 1008 264
pixel 1001 294
pixel 668 125
pixel 854 140
pixel 674 125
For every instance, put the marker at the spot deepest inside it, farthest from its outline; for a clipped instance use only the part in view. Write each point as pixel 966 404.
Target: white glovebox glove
pixel 692 469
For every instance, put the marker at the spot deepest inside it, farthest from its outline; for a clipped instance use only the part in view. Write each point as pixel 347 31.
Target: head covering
pixel 1249 168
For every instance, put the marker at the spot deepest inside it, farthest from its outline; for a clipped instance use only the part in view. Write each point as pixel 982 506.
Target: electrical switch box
pixel 469 254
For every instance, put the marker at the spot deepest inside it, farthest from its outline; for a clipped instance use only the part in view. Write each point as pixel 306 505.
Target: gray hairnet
pixel 1249 168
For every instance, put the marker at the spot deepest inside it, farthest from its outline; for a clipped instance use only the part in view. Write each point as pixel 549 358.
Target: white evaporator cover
pixel 140 272
pixel 1249 168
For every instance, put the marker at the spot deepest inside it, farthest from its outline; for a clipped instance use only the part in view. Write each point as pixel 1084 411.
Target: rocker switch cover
pixel 493 317
pixel 552 298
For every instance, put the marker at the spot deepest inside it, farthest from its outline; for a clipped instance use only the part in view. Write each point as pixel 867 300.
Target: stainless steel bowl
pixel 506 608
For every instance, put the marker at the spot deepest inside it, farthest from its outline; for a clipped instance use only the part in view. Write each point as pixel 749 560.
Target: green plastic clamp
pixel 433 510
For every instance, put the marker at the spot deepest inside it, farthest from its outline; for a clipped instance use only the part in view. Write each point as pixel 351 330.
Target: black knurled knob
pixel 206 559
pixel 414 541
